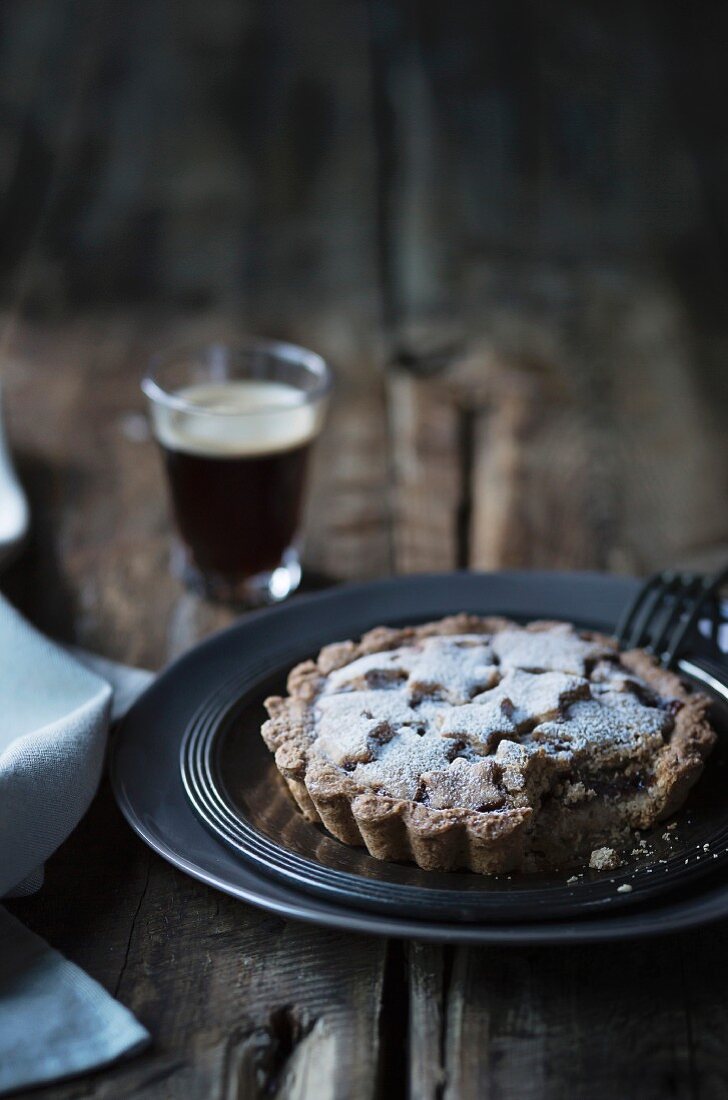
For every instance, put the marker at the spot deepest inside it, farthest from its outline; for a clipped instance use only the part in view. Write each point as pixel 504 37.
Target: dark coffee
pixel 237 515
pixel 236 454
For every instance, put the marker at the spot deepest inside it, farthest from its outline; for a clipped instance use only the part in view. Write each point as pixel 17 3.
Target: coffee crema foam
pixel 253 418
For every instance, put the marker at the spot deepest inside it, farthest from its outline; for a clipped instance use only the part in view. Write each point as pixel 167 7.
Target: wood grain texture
pixel 427 474
pixel 599 1021
pixel 597 447
pixel 594 1021
pixel 428 971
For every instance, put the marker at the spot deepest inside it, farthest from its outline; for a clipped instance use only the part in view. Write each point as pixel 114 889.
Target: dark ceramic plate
pixel 234 787
pixel 254 843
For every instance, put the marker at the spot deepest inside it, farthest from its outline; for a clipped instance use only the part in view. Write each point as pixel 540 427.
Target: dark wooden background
pixel 506 223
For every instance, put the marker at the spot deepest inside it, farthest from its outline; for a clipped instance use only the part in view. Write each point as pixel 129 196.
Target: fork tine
pixel 717 618
pixel 661 605
pixel 624 626
pixel 638 635
pixel 710 588
pixel 687 589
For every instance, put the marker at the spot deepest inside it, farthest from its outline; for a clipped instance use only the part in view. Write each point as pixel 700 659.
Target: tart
pixel 478 744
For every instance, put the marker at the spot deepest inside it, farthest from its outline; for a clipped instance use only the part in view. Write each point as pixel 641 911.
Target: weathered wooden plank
pixel 530 480
pixel 101 539
pixel 549 135
pixel 692 43
pixel 226 156
pixel 428 967
pixel 272 996
pixel 701 962
pixel 670 455
pixel 601 1022
pixel 529 487
pixel 544 137
pixel 427 474
pixel 347 523
pixel 592 442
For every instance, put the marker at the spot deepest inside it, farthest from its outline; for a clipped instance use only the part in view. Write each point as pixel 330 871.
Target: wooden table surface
pixel 530 339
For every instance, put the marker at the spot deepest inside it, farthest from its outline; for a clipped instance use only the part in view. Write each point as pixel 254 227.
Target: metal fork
pixel 664 618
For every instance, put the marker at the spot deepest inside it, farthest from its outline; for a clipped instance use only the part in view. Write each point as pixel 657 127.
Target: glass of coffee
pixel 236 426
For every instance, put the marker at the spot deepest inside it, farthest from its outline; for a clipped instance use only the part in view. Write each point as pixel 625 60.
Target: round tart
pixel 478 744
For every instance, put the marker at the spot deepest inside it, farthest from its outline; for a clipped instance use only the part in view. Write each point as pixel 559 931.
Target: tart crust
pixel 551 791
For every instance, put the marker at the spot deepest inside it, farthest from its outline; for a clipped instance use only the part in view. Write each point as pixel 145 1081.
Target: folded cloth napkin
pixel 54 1020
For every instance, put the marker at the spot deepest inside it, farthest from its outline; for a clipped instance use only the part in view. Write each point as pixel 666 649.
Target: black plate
pixel 235 788
pixel 151 793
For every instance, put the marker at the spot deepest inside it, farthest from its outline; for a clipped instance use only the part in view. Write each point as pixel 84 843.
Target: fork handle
pixel 709 673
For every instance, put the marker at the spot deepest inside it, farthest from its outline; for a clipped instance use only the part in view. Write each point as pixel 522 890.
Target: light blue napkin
pixel 55 1021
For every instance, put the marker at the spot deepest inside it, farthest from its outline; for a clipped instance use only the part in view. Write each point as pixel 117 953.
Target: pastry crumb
pixel 577 792
pixel 604 859
pixel 572 879
pixel 625 888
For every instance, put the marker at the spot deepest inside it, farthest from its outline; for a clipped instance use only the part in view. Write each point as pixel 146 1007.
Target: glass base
pixel 258 591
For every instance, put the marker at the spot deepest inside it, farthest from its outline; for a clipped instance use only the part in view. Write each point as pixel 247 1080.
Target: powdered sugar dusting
pixel 441 721
pixel 399 764
pixel 599 725
pixel 453 668
pixel 482 725
pixel 535 695
pixel 348 724
pixel 558 649
pixel 475 786
pixel 373 670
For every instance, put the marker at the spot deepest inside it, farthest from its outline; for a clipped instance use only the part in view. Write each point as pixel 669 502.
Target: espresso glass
pixel 235 425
